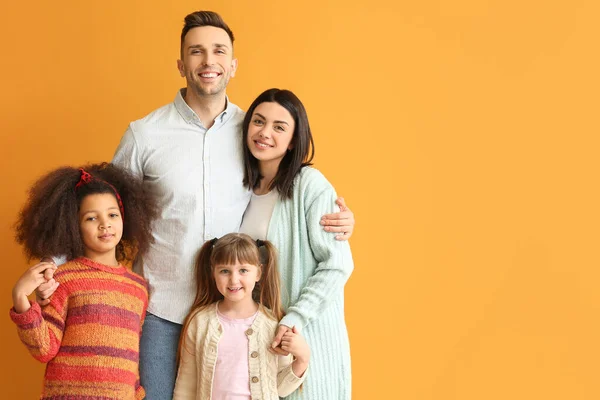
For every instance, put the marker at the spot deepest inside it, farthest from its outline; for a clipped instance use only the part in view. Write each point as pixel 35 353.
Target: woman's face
pixel 270 132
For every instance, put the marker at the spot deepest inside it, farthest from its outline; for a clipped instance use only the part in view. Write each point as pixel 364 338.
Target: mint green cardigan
pixel 314 268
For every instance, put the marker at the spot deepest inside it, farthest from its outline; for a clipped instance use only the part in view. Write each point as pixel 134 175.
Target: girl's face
pixel 101 227
pixel 236 282
pixel 270 132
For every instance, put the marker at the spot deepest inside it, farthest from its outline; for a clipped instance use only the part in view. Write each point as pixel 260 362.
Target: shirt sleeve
pixel 128 154
pixel 334 265
pixel 41 330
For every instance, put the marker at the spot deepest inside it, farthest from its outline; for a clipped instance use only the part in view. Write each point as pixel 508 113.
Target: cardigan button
pixel 249 331
pixel 254 379
pixel 254 354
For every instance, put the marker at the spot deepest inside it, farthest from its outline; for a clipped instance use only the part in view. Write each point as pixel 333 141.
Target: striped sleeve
pixel 41 330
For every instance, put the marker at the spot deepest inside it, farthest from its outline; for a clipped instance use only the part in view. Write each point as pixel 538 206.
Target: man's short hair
pixel 203 18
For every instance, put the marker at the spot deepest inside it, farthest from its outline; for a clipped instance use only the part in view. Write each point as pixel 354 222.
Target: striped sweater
pixel 89 334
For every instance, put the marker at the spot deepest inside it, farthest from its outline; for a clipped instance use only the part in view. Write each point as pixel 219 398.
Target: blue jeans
pixel 158 357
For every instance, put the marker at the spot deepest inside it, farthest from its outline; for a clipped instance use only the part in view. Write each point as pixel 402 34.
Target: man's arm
pixel 342 221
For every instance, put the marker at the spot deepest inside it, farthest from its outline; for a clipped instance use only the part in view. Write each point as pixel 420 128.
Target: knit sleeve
pixel 140 392
pixel 41 330
pixel 333 257
pixel 187 375
pixel 287 381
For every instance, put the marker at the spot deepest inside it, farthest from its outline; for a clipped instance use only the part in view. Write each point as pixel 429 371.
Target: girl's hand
pixel 27 283
pixel 46 289
pixel 295 344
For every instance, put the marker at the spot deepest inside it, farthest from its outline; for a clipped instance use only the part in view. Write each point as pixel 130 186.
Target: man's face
pixel 207 62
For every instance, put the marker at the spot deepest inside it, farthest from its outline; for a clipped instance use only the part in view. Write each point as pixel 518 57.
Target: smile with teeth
pixel 234 289
pixel 262 145
pixel 209 74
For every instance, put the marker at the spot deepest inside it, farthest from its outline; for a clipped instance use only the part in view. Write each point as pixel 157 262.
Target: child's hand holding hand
pixel 27 283
pixel 295 344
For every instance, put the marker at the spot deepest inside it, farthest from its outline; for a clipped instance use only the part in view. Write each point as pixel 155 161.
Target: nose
pixel 264 132
pixel 208 58
pixel 234 277
pixel 105 224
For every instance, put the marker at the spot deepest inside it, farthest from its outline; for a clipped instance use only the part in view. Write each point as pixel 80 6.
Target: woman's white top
pixel 258 214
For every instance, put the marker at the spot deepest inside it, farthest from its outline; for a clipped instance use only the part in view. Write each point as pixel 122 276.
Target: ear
pixel 180 68
pixel 234 66
pixel 259 272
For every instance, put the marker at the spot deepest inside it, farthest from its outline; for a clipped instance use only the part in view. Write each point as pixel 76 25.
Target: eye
pixel 114 215
pixel 195 51
pixel 280 128
pixel 243 270
pixel 224 271
pixel 257 122
pixel 90 219
pixel 220 51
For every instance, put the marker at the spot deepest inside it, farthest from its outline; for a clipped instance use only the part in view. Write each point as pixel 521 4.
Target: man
pixel 189 155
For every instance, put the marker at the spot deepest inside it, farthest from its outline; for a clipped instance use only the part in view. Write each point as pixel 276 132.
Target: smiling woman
pixel 289 198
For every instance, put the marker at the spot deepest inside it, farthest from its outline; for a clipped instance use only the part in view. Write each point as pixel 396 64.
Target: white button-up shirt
pixel 196 175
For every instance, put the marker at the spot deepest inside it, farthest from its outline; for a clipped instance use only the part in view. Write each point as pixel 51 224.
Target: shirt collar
pixel 190 116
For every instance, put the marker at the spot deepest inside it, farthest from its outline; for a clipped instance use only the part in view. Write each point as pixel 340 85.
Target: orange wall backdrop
pixel 464 135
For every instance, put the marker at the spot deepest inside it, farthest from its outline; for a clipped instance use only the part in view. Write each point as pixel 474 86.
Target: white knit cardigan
pixel 270 375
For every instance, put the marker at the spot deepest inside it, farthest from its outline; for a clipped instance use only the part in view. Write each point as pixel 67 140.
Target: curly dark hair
pixel 48 224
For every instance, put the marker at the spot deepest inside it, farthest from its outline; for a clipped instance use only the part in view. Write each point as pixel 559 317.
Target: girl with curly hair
pixel 88 334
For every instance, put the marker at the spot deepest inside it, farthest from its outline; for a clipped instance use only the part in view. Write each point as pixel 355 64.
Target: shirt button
pixel 254 354
pixel 249 332
pixel 254 379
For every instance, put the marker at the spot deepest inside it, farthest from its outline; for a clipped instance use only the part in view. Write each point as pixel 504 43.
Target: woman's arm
pixel 334 264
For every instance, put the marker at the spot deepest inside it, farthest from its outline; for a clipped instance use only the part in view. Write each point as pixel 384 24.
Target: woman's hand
pixel 276 345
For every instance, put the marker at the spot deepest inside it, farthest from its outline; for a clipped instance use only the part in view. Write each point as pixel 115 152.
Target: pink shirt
pixel 232 380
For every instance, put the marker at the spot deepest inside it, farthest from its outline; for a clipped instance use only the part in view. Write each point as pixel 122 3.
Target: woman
pixel 289 198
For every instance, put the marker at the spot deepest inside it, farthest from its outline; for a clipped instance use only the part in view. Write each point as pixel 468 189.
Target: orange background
pixel 464 135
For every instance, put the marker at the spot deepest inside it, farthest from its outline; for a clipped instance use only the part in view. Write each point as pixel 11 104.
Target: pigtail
pixel 206 289
pixel 270 285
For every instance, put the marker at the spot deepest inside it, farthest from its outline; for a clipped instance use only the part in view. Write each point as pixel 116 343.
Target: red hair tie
pixel 86 178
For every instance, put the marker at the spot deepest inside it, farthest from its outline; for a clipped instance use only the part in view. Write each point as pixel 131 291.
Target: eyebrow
pixel 277 122
pixel 199 46
pixel 92 211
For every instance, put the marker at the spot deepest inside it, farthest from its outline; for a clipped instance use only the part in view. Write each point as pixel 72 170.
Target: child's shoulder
pixel 204 314
pixel 69 268
pixel 137 278
pixel 267 319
